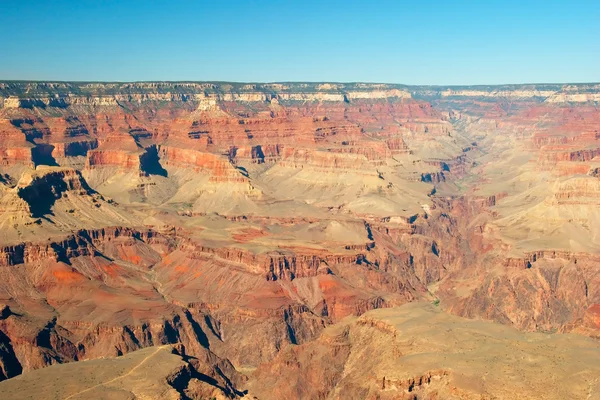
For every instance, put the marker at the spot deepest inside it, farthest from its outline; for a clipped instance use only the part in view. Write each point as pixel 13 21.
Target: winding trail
pixel 132 370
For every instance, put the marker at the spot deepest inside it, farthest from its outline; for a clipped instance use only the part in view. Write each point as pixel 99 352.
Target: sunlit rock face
pixel 239 219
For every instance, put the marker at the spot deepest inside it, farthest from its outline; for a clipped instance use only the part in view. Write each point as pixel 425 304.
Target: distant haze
pixel 435 42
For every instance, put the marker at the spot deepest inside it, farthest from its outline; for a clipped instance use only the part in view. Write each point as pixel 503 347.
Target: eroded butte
pixel 230 231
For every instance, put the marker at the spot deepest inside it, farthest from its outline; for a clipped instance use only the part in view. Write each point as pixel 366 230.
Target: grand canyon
pixel 200 240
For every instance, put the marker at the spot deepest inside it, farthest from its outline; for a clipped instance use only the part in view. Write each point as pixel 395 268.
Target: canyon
pixel 299 240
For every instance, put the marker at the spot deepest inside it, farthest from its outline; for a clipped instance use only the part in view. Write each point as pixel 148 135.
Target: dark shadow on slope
pixel 150 162
pixel 42 194
pixel 44 191
pixel 209 323
pixel 6 180
pixel 41 154
pixel 170 331
pixel 198 332
pixel 9 364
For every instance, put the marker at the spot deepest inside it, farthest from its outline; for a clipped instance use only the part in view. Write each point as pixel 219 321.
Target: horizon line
pixel 291 82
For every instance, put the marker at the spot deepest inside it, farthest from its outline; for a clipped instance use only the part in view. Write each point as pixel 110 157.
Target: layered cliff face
pixel 50 202
pixel 529 216
pixel 240 219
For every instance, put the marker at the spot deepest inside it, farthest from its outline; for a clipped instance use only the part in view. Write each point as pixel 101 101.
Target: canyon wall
pixel 241 219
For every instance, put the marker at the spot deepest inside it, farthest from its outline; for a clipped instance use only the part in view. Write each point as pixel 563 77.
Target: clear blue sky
pixel 412 42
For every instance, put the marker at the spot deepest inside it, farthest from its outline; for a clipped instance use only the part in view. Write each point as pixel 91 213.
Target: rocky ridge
pixel 145 214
